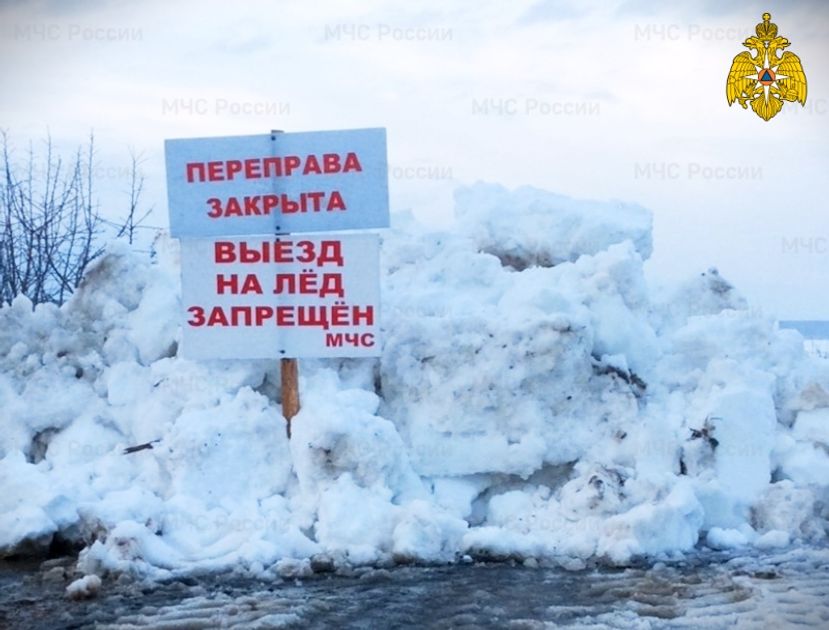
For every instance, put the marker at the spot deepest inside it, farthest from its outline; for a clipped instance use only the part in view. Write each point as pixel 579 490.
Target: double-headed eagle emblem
pixel 766 79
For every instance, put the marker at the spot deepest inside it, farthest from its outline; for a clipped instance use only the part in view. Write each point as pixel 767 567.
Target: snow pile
pixel 535 227
pixel 84 588
pixel 533 399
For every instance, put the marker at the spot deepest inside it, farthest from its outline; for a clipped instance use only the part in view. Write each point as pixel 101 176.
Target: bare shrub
pixel 50 227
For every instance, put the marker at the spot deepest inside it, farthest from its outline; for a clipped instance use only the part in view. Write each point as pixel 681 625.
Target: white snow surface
pixel 534 398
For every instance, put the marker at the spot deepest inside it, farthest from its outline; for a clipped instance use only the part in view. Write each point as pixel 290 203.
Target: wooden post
pixel 289 373
pixel 290 390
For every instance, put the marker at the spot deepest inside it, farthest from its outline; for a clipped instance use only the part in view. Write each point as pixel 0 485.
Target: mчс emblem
pixel 766 79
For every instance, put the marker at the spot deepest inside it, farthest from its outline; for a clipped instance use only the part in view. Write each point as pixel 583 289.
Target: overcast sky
pixel 592 99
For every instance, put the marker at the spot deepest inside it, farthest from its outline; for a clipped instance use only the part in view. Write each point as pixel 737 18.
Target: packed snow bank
pixel 531 227
pixel 533 399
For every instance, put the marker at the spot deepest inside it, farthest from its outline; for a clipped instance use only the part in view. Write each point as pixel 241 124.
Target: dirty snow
pixel 535 397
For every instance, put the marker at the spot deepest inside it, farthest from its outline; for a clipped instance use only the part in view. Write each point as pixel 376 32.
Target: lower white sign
pixel 288 296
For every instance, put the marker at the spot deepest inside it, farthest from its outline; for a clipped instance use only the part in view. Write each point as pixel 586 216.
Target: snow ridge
pixel 534 398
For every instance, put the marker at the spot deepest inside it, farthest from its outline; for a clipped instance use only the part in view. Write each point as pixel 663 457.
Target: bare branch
pixel 50 225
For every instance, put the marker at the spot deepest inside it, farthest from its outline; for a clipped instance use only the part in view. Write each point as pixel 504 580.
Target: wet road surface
pixel 788 589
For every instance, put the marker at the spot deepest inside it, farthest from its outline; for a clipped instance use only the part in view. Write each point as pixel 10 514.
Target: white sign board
pixel 278 183
pixel 281 297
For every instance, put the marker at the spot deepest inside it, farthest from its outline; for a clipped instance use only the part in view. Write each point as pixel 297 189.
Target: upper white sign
pixel 278 183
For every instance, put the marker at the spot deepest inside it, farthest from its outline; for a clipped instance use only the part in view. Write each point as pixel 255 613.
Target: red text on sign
pixel 274 166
